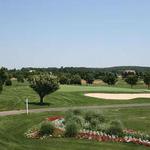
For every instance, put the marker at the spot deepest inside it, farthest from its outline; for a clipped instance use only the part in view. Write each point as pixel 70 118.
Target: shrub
pixel 71 129
pixel 79 120
pixel 71 117
pixel 94 123
pixel 8 82
pixel 47 128
pixel 77 112
pixel 69 114
pixel 91 115
pixel 103 127
pixel 93 120
pixel 116 128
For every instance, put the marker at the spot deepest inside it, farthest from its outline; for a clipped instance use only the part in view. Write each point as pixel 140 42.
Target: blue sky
pixel 90 33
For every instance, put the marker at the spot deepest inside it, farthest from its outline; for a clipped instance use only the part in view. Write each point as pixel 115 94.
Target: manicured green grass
pixel 68 95
pixel 12 130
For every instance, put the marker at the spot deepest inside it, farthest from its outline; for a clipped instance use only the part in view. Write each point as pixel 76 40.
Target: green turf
pixel 68 95
pixel 12 130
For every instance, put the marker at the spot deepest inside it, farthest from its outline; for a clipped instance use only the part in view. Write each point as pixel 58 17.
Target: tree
pixel 89 78
pixel 44 84
pixel 132 80
pixel 8 82
pixel 110 79
pixel 1 87
pixel 64 79
pixel 146 79
pixel 3 75
pixel 76 79
pixel 20 78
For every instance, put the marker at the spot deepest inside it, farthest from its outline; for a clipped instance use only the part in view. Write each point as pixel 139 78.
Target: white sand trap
pixel 117 96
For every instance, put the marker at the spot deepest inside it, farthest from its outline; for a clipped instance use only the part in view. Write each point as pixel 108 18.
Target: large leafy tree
pixel 75 79
pixel 132 80
pixel 3 75
pixel 146 79
pixel 1 87
pixel 64 79
pixel 110 79
pixel 44 84
pixel 89 77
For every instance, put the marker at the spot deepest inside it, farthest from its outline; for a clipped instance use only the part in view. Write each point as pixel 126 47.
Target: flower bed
pixel 59 123
pixel 100 136
pixel 54 118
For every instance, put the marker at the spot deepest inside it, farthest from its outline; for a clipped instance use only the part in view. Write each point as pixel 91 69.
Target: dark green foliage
pixel 64 79
pixel 115 128
pixel 47 128
pixel 90 115
pixel 20 78
pixel 146 79
pixel 44 84
pixel 77 112
pixel 8 82
pixel 75 79
pixel 1 87
pixel 71 129
pixel 110 79
pixel 93 120
pixel 89 77
pixel 132 80
pixel 3 75
pixel 76 117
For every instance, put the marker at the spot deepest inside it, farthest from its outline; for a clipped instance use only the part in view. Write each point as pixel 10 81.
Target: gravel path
pixel 17 112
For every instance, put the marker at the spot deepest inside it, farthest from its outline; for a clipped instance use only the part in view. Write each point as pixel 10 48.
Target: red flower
pixel 54 118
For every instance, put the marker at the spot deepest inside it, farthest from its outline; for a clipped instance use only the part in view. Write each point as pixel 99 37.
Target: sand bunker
pixel 117 96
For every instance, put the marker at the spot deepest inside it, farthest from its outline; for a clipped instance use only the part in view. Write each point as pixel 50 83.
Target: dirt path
pixel 16 112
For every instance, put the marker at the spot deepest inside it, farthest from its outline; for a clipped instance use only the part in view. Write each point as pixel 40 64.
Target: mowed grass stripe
pixel 13 98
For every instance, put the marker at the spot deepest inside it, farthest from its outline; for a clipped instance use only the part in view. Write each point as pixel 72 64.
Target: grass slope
pixel 12 130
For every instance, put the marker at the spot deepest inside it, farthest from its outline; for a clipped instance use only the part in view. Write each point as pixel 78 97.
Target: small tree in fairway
pixel 110 79
pixel 3 75
pixel 132 80
pixel 1 87
pixel 44 84
pixel 146 79
pixel 89 78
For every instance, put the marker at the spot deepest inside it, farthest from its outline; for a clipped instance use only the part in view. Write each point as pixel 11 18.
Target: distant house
pixel 125 73
pixel 31 71
pixel 130 72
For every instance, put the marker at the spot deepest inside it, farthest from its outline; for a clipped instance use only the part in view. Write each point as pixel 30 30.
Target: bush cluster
pixel 90 120
pixel 116 128
pixel 8 82
pixel 47 128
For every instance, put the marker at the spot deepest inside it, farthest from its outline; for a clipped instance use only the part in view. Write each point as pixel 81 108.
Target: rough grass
pixel 12 130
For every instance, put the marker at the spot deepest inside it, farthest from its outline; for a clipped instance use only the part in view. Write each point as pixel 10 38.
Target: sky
pixel 79 33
